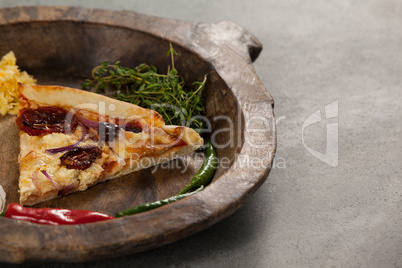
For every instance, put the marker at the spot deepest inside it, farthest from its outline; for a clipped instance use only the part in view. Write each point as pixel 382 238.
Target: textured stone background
pixel 308 213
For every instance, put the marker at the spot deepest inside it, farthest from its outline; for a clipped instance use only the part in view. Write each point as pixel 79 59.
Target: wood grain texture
pixel 61 45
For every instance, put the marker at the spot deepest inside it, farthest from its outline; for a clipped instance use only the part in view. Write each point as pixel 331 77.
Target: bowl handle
pixel 229 36
pixel 238 38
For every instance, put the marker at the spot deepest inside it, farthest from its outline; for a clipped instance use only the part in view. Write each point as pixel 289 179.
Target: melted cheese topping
pixel 127 149
pixel 34 158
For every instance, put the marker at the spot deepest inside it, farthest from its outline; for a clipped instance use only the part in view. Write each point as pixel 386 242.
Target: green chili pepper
pixel 3 214
pixel 206 172
pixel 153 205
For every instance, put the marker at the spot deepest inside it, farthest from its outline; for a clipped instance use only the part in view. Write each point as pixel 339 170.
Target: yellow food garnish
pixel 10 76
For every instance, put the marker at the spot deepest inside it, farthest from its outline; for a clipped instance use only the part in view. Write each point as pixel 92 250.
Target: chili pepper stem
pixel 185 189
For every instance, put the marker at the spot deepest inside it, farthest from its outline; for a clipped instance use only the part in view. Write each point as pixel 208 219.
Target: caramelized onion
pixel 45 120
pixel 87 122
pixel 72 146
pixel 134 126
pixel 68 188
pixel 34 179
pixel 50 179
pixel 81 157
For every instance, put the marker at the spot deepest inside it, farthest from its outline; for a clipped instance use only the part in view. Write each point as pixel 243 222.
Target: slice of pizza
pixel 71 139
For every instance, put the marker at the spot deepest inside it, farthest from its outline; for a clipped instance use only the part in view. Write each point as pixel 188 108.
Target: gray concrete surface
pixel 308 213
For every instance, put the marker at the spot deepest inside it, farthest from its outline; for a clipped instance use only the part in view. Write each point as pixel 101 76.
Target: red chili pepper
pixel 54 216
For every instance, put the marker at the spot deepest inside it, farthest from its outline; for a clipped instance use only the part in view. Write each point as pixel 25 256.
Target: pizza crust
pixel 79 99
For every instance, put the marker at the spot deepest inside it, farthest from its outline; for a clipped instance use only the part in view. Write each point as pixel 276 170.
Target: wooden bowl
pixel 61 45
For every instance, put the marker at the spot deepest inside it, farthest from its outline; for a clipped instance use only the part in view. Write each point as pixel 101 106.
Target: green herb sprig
pixel 145 87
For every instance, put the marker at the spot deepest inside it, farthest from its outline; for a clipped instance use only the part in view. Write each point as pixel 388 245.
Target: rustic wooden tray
pixel 61 45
